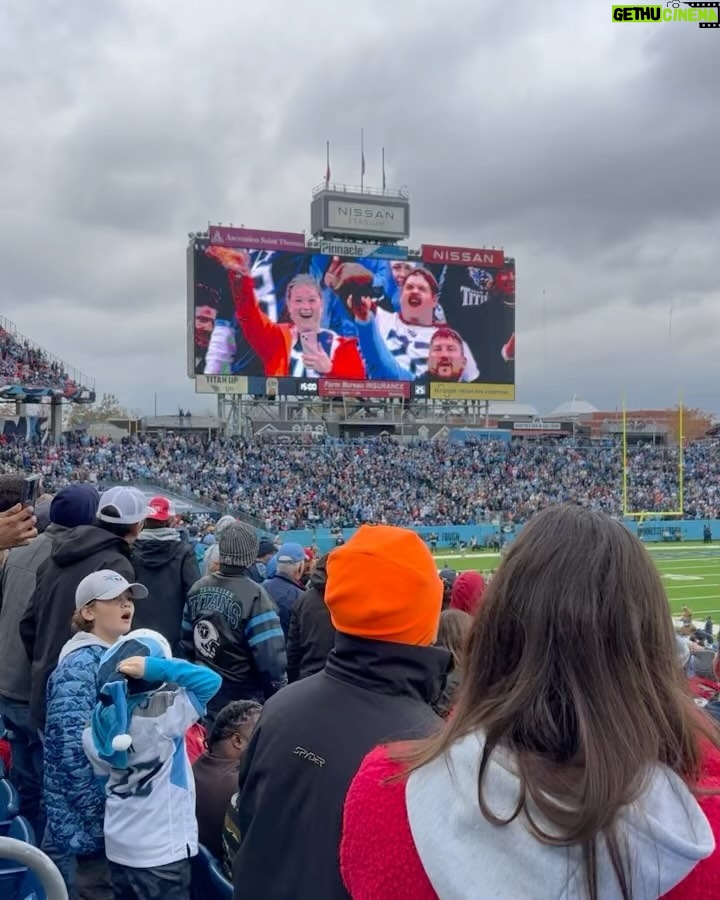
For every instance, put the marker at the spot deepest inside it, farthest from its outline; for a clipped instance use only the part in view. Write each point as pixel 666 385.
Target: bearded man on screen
pixel 300 348
pixel 396 345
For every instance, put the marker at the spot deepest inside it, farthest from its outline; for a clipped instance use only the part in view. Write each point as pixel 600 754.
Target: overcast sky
pixel 588 150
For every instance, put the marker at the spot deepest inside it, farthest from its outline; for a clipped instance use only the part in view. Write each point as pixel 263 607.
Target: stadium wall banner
pixel 494 259
pixel 537 425
pixel 448 536
pixel 458 435
pixel 304 317
pixel 370 251
pixel 24 428
pixel 221 384
pixel 250 239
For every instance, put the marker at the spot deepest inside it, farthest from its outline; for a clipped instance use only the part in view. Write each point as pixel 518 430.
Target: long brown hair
pixel 455 626
pixel 571 664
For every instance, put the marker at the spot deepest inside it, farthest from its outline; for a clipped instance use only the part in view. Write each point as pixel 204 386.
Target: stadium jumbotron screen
pixel 306 323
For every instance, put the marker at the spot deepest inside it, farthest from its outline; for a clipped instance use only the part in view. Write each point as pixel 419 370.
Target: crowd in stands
pixel 28 366
pixel 332 483
pixel 360 726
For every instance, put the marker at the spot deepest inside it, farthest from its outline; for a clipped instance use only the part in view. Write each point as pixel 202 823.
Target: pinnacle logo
pixel 216 237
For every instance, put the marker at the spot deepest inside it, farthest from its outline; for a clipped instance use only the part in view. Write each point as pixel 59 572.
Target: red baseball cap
pixel 163 509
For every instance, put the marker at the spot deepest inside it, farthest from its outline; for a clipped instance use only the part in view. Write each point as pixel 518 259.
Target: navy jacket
pixel 284 593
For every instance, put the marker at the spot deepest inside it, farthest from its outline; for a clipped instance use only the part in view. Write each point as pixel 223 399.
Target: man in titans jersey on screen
pixel 300 348
pixel 396 346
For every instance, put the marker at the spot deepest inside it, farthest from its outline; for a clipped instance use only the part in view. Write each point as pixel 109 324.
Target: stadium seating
pixel 17 881
pixel 208 881
pixel 332 483
pixel 29 372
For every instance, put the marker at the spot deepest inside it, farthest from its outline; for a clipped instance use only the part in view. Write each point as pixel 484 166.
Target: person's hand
pixel 318 360
pixel 133 667
pixel 347 277
pixel 17 527
pixel 362 308
pixel 235 261
pixel 332 272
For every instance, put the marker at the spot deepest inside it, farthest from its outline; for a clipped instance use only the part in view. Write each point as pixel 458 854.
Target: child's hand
pixel 133 666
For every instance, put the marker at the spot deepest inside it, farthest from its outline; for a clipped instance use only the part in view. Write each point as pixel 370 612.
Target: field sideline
pixel 690 573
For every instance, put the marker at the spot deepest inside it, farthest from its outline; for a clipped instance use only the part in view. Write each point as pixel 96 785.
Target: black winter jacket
pixel 231 625
pixel 312 633
pixel 45 626
pixel 168 568
pixel 308 745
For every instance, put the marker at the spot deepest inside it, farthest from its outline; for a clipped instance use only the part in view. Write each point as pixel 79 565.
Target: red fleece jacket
pixel 378 858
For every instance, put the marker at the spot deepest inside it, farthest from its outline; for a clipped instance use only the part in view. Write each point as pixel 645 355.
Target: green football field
pixel 690 573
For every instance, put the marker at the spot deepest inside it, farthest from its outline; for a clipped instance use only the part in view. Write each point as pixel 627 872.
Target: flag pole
pixel 327 168
pixel 362 158
pixel 383 169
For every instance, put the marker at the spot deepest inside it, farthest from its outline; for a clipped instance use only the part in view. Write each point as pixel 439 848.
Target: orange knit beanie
pixel 384 585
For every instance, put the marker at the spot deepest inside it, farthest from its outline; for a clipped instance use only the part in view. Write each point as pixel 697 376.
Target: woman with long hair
pixel 576 764
pixel 454 628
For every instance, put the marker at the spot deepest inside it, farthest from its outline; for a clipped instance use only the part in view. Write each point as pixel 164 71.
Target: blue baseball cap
pixel 291 553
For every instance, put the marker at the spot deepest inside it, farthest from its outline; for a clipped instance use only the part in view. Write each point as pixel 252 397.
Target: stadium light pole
pixel 681 460
pixel 624 456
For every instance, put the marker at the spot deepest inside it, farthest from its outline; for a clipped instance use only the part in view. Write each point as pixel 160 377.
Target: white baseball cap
pixel 131 504
pixel 106 585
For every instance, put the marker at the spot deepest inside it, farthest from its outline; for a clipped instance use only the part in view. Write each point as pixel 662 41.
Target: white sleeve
pixel 471 371
pixel 384 321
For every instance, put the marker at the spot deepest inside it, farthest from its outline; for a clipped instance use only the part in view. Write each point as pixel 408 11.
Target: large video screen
pixel 306 323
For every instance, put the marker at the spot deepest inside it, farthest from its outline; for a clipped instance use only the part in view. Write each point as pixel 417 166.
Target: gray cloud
pixel 584 148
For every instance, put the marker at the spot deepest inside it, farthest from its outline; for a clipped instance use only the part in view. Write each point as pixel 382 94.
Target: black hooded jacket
pixel 45 627
pixel 168 568
pixel 307 747
pixel 312 635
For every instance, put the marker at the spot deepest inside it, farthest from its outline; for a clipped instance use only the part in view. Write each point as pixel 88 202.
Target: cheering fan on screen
pixel 300 348
pixel 207 302
pixel 397 345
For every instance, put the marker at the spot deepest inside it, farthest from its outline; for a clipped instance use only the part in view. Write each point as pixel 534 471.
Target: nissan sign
pixel 380 218
pixel 366 218
pixel 463 256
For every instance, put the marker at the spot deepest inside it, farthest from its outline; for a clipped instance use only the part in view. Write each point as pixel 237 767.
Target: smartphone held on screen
pixel 309 341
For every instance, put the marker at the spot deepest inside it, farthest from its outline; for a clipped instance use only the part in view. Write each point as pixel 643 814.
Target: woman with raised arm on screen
pixel 576 764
